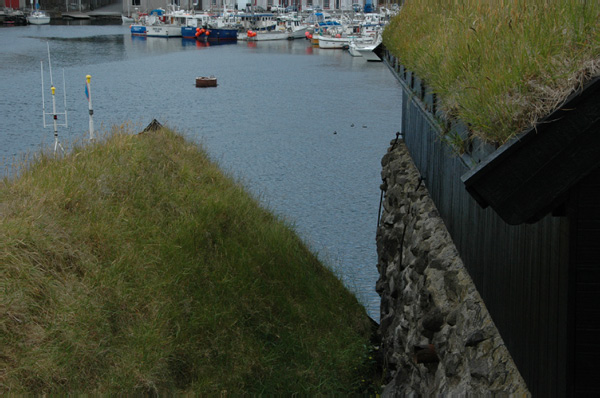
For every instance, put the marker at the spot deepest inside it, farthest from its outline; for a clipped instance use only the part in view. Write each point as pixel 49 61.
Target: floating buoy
pixel 197 34
pixel 207 32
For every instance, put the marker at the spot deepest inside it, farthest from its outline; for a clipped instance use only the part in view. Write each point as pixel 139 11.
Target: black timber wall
pixel 584 208
pixel 520 271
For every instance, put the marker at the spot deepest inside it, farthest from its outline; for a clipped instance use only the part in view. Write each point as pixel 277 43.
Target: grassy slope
pixel 499 65
pixel 135 265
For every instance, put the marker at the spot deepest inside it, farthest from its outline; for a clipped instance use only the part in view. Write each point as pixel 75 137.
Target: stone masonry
pixel 438 338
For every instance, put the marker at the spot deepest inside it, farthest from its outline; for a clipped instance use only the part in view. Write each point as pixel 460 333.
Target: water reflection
pixel 85 22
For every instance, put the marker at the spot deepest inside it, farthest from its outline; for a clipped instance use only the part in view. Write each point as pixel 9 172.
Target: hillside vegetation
pixel 498 65
pixel 134 265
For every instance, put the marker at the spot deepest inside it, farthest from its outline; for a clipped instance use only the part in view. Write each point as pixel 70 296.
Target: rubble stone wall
pixel 437 335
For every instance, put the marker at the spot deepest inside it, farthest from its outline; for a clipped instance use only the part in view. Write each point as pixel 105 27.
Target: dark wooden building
pixel 525 218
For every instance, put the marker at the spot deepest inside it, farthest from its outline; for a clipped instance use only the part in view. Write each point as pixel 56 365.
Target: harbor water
pixel 304 129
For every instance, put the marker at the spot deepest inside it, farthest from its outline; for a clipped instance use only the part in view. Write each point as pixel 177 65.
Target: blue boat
pixel 188 32
pixel 218 35
pixel 138 30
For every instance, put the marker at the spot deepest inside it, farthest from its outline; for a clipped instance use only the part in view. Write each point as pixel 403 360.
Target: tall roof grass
pixel 499 65
pixel 134 265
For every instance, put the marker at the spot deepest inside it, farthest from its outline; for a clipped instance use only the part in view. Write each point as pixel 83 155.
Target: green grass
pixel 498 65
pixel 134 265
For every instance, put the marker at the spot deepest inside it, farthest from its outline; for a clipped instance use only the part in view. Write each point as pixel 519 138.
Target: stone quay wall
pixel 437 335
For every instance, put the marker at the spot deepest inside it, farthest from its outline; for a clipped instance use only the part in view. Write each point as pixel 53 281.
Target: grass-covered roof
pixel 499 66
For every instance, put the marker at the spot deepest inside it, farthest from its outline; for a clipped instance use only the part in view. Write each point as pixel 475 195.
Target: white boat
pixel 259 27
pixel 160 24
pixel 263 35
pixel 38 18
pixel 255 21
pixel 367 50
pixel 296 28
pixel 333 42
pixel 126 20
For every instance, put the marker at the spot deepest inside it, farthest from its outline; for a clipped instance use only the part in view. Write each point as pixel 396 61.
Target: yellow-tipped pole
pixel 54 118
pixel 55 124
pixel 88 79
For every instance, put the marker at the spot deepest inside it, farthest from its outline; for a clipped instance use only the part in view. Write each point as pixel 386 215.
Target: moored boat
pixel 333 42
pixel 216 34
pixel 369 50
pixel 158 24
pixel 14 17
pixel 294 26
pixel 38 18
pixel 263 35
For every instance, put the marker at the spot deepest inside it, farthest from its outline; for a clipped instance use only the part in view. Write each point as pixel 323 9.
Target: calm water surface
pixel 303 128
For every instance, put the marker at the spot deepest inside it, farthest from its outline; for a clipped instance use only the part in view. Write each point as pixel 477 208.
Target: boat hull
pixel 369 51
pixel 333 42
pixel 217 35
pixel 38 18
pixel 298 33
pixel 39 21
pixel 264 36
pixel 163 31
pixel 188 32
pixel 138 30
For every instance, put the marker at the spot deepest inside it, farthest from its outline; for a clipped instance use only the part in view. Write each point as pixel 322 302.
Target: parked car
pixel 291 9
pixel 277 9
pixel 356 7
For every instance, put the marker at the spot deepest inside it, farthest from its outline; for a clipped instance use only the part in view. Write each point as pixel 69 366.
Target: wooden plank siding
pixel 519 270
pixel 585 262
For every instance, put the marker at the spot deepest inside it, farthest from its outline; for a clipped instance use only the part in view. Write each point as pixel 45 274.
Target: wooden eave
pixel 530 175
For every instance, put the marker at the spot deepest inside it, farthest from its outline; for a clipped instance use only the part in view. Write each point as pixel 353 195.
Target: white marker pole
pixel 54 114
pixel 88 78
pixel 54 118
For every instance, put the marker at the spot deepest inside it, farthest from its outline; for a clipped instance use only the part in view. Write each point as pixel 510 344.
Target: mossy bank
pixel 134 264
